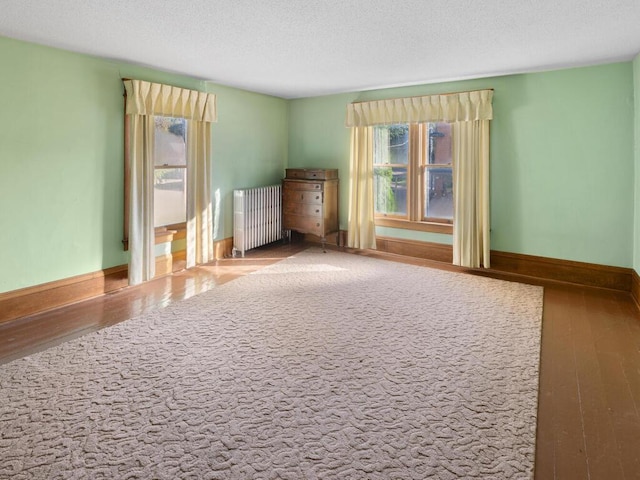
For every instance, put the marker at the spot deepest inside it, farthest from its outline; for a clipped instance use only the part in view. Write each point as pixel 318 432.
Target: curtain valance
pixel 452 107
pixel 146 98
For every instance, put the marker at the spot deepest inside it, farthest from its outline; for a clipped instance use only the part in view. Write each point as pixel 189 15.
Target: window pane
pixel 439 193
pixel 391 144
pixel 169 196
pixel 170 143
pixel 439 144
pixel 390 190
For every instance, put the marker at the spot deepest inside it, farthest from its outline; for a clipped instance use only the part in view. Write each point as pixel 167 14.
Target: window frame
pixel 180 225
pixel 406 166
pixel 417 167
pixel 160 232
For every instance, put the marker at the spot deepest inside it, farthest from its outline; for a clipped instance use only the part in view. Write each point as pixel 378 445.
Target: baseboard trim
pixel 437 252
pixel 565 271
pixel 223 248
pixel 31 300
pixel 179 260
pixel 164 265
pixel 39 298
pixel 635 287
pixel 530 268
pixel 510 266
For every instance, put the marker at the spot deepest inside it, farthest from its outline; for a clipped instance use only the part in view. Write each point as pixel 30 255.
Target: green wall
pixel 636 150
pixel 61 158
pixel 564 168
pixel 249 148
pixel 561 158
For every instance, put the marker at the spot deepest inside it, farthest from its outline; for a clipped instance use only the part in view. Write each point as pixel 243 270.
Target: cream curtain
pixel 452 107
pixel 144 101
pixel 141 233
pixel 199 209
pixel 470 113
pixel 146 98
pixel 361 223
pixel 471 227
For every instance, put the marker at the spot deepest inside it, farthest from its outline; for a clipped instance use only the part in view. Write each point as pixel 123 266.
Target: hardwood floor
pixel 589 398
pixel 37 332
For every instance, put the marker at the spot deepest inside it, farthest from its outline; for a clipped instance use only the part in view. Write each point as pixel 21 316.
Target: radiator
pixel 257 217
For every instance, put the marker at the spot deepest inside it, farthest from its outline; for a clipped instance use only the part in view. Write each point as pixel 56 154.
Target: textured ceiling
pixel 298 48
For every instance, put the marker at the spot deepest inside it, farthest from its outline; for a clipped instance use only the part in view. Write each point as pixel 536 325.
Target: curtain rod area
pixel 426 95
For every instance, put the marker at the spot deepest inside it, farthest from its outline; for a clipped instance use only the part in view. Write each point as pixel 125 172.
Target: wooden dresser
pixel 310 202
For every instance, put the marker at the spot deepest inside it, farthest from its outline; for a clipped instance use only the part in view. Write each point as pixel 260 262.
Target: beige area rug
pixel 322 366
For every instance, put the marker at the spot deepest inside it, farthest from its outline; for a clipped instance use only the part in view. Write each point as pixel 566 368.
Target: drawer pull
pixel 317 211
pixel 317 186
pixel 317 224
pixel 317 197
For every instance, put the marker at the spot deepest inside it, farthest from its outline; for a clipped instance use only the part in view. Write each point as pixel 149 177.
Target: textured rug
pixel 322 366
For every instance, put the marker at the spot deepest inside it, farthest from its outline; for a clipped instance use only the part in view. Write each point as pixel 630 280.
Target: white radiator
pixel 257 217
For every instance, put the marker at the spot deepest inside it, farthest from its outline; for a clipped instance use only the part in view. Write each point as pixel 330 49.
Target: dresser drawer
pixel 311 173
pixel 301 196
pixel 303 224
pixel 307 209
pixel 302 185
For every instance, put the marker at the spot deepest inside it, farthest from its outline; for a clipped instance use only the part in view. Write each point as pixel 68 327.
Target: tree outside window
pixel 413 178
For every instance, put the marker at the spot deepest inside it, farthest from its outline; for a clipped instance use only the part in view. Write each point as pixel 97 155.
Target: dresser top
pixel 312 173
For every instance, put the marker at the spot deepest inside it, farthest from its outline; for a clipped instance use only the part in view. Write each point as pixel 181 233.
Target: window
pixel 156 173
pixel 421 191
pixel 391 169
pixel 170 172
pixel 169 175
pixel 437 173
pixel 413 176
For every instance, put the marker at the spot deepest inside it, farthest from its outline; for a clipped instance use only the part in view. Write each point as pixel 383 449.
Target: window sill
pixel 165 234
pixel 180 230
pixel 419 226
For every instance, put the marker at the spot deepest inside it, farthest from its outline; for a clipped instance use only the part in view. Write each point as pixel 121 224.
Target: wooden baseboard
pixel 635 287
pixel 164 265
pixel 179 260
pixel 223 248
pixel 412 248
pixel 46 296
pixel 30 300
pixel 522 267
pixel 566 271
pixel 39 298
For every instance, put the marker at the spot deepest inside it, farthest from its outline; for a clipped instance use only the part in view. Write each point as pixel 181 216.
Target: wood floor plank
pixel 598 430
pixel 570 460
pixel 631 358
pixel 620 366
pixel 545 435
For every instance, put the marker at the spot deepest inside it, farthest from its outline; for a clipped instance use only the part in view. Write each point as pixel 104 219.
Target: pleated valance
pixel 146 98
pixel 452 107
